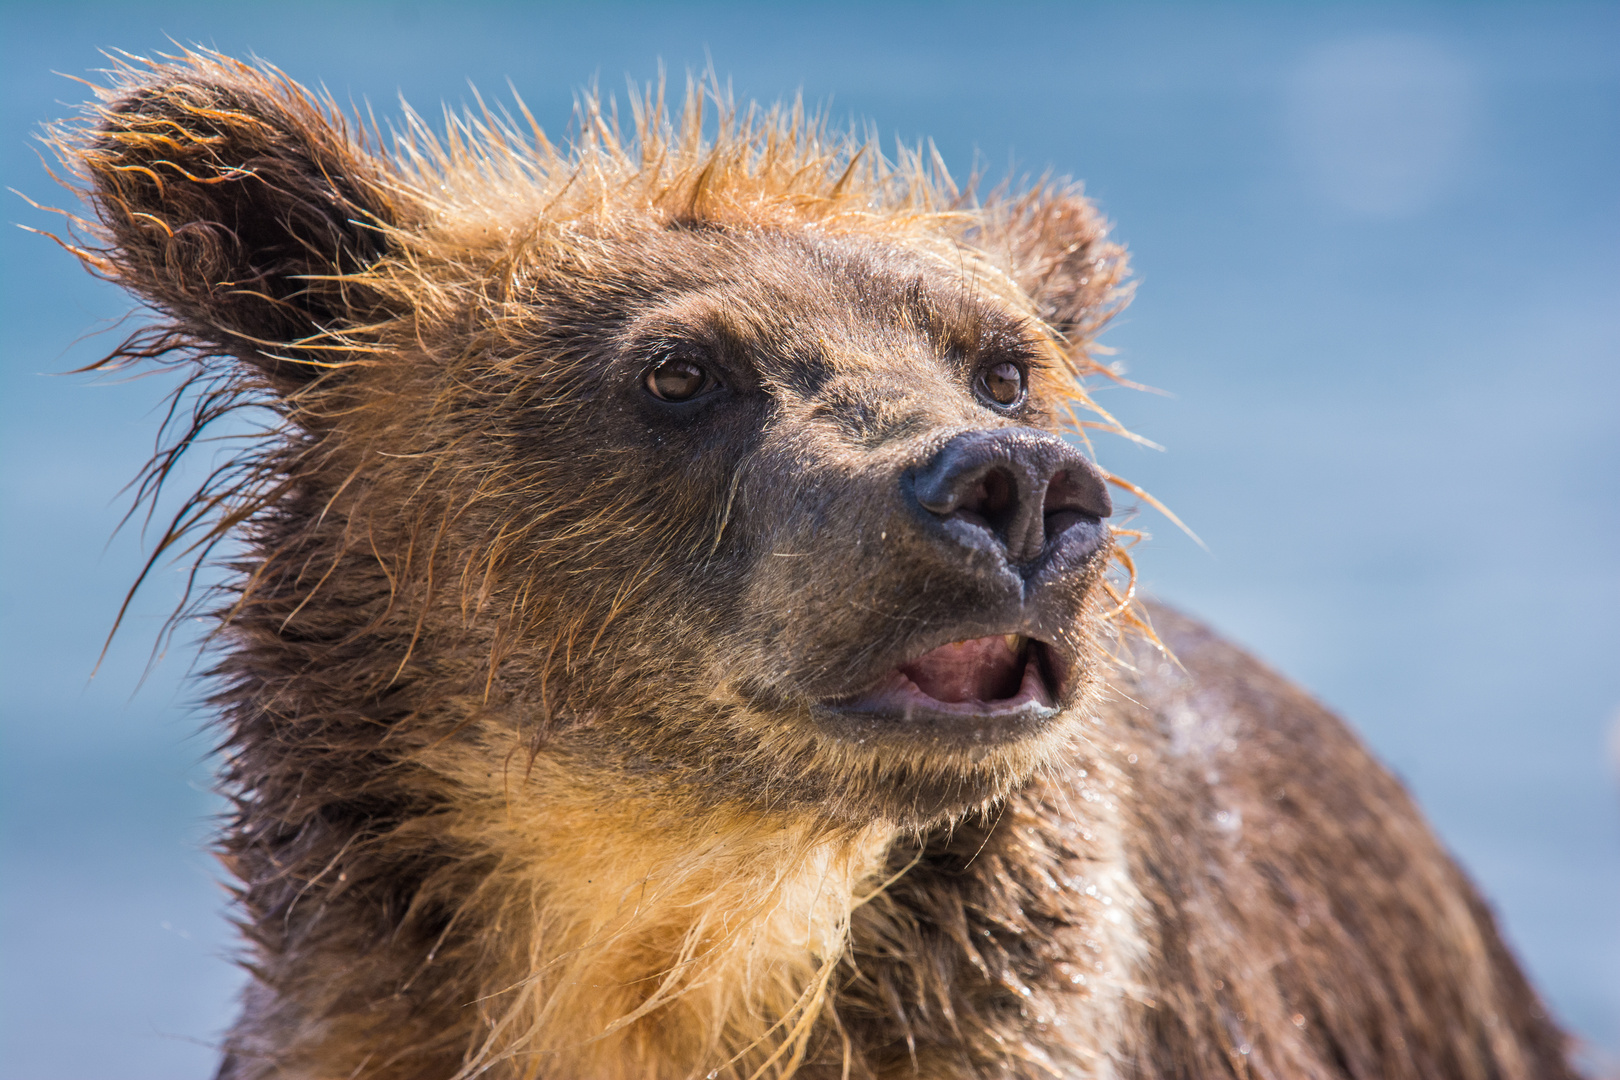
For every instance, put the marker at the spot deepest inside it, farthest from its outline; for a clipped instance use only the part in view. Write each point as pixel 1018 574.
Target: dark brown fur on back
pixel 547 699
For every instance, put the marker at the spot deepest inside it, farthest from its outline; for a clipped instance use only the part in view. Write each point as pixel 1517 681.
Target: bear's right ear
pixel 233 202
pixel 1055 246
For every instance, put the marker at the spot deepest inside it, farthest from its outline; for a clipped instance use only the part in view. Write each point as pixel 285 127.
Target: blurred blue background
pixel 1379 254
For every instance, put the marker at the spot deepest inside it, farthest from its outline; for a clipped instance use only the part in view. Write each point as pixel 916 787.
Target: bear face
pixel 709 475
pixel 776 560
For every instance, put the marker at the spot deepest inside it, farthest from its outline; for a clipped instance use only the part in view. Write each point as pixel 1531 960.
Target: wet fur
pixel 511 675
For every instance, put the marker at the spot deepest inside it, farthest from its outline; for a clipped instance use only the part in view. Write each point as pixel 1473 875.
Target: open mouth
pixel 996 677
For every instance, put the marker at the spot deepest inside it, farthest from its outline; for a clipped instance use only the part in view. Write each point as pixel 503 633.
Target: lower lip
pixel 899 708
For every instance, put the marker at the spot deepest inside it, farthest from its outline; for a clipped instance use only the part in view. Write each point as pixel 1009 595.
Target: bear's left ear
pixel 1055 246
pixel 232 201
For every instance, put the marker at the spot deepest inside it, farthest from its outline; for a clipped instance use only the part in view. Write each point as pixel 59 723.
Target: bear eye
pixel 677 380
pixel 1002 383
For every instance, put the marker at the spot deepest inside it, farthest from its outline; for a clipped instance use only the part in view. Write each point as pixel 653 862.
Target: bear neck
pixel 655 936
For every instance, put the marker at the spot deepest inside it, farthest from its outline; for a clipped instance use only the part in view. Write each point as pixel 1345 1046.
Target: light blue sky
pixel 1379 255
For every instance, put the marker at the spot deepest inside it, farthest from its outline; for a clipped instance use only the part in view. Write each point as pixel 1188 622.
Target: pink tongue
pixel 983 669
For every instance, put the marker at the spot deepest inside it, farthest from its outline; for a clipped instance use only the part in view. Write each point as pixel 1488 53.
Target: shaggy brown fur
pixel 547 701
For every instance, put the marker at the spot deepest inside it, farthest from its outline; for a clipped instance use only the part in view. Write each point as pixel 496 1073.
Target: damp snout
pixel 1022 493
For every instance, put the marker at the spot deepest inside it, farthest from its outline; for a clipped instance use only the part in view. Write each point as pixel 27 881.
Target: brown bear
pixel 672 629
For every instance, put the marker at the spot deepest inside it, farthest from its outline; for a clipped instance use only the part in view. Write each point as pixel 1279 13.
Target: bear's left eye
pixel 677 380
pixel 1002 383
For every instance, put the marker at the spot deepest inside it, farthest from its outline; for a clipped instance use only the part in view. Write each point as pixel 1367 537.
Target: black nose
pixel 1025 488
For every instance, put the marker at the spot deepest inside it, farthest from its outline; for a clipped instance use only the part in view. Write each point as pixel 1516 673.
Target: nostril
pixel 990 501
pixel 1055 491
pixel 1069 501
pixel 994 499
pixel 1079 491
pixel 989 498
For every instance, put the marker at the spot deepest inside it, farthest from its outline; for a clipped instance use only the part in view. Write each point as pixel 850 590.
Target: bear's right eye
pixel 677 380
pixel 1003 384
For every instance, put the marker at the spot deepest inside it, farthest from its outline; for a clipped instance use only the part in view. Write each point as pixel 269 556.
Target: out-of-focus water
pixel 1379 252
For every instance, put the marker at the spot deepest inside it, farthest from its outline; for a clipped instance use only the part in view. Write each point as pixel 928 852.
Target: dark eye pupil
pixel 676 380
pixel 1004 382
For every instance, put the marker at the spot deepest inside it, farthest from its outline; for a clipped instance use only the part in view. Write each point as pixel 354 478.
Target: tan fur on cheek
pixel 644 940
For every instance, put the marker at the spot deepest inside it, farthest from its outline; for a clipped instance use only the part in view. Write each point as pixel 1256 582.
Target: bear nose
pixel 1025 488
